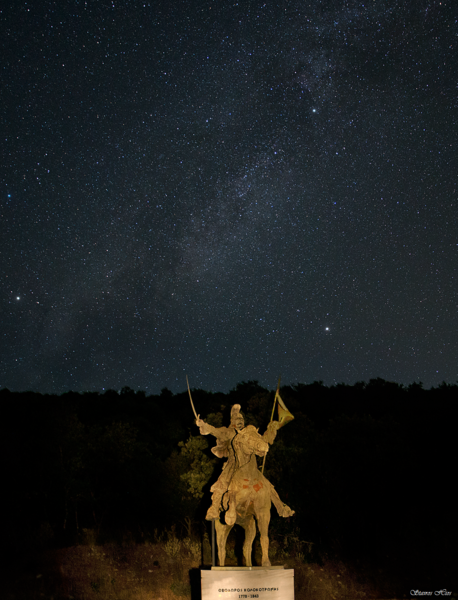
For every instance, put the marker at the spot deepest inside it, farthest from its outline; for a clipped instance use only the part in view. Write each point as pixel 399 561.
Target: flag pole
pixel 271 419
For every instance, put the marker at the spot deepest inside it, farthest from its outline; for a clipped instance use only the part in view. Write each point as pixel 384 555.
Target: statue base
pixel 235 583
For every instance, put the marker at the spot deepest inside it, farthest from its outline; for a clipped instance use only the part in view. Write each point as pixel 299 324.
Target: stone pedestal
pixel 235 583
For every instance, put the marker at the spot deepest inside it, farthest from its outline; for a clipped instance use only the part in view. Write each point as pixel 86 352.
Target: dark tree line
pixel 369 468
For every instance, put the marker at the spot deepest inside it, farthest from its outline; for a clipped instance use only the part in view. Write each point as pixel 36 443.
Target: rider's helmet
pixel 235 413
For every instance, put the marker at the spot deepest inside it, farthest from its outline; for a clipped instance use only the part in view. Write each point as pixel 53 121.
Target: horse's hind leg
pixel 222 531
pixel 250 533
pixel 263 519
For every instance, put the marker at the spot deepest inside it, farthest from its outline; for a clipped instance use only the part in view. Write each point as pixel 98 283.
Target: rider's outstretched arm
pixel 206 429
pixel 271 432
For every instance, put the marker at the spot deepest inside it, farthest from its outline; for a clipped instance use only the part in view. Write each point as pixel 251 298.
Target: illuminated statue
pixel 242 492
pixel 238 444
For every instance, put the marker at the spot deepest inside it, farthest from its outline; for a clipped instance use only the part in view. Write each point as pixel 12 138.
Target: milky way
pixel 228 190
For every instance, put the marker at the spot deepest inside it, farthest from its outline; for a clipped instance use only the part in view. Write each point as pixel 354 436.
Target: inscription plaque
pixel 235 583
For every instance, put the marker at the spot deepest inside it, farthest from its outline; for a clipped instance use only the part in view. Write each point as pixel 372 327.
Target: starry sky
pixel 229 190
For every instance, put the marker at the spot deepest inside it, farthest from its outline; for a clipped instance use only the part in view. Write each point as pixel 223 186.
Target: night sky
pixel 228 190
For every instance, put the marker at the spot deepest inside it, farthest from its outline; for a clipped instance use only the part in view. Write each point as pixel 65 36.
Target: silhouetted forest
pixel 370 469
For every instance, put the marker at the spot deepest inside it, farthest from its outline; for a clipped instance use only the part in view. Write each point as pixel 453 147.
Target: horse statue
pixel 242 492
pixel 249 497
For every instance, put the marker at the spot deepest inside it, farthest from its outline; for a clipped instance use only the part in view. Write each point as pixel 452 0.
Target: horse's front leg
pixel 250 534
pixel 263 519
pixel 222 531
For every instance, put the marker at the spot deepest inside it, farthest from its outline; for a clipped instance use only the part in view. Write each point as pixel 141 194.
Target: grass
pixel 167 569
pixel 107 572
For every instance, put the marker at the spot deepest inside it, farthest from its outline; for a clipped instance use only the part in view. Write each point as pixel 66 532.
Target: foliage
pixel 197 466
pixel 173 547
pixel 192 547
pixel 361 465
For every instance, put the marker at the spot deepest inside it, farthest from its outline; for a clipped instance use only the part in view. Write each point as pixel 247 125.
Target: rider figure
pixel 248 441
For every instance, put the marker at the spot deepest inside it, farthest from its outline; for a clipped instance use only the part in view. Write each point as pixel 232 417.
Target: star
pixel 181 204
